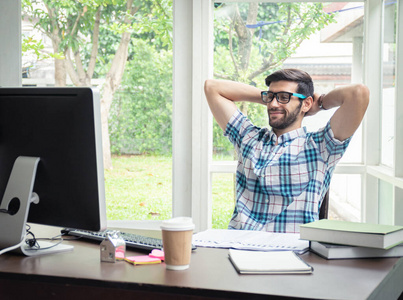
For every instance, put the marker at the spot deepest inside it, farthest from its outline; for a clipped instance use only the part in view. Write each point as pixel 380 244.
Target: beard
pixel 286 120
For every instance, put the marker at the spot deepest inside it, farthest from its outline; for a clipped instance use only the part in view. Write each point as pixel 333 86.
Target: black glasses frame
pixel 268 96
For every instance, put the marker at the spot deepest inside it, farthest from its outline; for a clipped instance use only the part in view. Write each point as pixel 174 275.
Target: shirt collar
pixel 286 137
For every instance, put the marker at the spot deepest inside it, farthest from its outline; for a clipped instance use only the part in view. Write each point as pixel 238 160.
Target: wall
pixel 10 43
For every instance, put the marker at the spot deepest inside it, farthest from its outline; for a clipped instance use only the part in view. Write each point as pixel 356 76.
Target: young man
pixel 284 173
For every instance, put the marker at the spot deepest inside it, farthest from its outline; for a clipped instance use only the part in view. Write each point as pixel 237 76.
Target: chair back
pixel 324 208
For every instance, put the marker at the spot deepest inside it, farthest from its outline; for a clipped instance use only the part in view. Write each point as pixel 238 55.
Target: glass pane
pixel 138 185
pixel 223 190
pixel 388 89
pixel 250 43
pixel 398 206
pixel 345 198
pixel 386 209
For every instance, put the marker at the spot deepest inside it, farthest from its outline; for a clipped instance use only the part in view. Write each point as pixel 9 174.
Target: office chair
pixel 324 208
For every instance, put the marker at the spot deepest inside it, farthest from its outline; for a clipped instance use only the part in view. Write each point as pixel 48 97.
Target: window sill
pixel 386 174
pixel 137 225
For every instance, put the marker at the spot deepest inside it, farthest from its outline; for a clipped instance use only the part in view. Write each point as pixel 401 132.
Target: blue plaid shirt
pixel 279 187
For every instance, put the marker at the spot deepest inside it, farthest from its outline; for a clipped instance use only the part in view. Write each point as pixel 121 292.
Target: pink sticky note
pixel 157 254
pixel 142 260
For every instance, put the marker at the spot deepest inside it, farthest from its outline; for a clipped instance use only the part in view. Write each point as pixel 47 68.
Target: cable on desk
pixel 33 242
pixel 34 245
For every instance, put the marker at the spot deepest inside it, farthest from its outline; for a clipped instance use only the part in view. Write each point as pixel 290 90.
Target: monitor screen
pixel 61 126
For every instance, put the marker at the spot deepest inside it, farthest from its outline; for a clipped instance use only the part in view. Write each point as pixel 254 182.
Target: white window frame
pixel 373 68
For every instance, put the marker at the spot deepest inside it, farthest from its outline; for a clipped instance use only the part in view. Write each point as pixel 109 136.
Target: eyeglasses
pixel 281 97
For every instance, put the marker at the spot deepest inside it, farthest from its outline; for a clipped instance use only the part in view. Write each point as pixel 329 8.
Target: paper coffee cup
pixel 177 242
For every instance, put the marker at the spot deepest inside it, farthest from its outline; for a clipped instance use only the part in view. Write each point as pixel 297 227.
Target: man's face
pixel 284 116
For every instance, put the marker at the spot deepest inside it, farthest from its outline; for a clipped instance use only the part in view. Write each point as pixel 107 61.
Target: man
pixel 284 173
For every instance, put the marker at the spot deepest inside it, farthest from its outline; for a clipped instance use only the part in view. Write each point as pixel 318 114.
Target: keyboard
pixel 133 241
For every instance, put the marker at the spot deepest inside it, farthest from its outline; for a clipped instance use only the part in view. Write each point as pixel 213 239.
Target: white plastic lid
pixel 178 224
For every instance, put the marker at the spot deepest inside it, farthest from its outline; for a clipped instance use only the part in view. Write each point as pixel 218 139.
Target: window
pixel 383 183
pixel 386 214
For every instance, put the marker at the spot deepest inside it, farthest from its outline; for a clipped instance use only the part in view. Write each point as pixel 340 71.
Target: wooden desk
pixel 80 275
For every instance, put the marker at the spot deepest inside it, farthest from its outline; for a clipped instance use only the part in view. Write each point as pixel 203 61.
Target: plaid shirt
pixel 279 187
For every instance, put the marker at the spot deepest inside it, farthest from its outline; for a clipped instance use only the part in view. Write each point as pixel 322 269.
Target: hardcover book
pixel 352 233
pixel 334 251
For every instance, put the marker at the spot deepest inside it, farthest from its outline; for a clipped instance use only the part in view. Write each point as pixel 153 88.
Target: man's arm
pixel 221 95
pixel 353 101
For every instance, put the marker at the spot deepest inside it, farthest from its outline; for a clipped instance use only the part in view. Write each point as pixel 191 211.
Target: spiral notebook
pixel 272 262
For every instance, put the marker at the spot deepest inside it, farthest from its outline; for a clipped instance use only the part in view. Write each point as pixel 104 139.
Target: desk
pixel 80 275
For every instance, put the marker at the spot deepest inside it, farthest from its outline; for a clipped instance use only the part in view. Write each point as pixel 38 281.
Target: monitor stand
pixel 14 209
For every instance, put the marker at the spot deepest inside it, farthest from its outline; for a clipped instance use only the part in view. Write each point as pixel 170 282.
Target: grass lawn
pixel 139 187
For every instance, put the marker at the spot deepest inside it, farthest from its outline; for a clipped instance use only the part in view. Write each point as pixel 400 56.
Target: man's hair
pixel 304 80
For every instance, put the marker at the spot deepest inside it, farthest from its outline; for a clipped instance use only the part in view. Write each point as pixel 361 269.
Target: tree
pixel 72 24
pixel 141 114
pixel 290 24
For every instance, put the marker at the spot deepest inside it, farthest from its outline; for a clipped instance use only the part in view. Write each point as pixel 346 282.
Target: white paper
pixel 250 240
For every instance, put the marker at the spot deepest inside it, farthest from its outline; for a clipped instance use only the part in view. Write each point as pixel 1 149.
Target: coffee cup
pixel 177 242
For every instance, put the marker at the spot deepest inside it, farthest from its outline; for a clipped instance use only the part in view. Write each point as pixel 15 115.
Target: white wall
pixel 10 43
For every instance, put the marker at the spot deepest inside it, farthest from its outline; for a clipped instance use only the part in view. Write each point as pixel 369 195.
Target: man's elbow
pixel 361 94
pixel 209 85
pixel 212 90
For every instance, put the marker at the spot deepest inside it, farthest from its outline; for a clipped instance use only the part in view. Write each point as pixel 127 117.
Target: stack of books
pixel 334 239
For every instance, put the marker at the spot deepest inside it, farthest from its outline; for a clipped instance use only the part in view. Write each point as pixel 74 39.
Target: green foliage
pixel 108 44
pixel 141 113
pixel 65 19
pixel 71 23
pixel 151 23
pixel 157 22
pixel 282 27
pixel 298 21
pixel 30 45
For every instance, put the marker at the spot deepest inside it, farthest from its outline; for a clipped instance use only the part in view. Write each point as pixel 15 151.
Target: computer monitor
pixel 61 127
